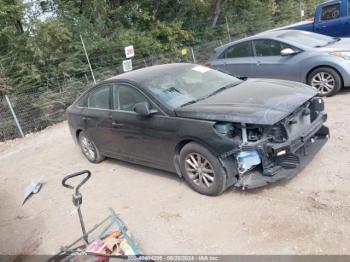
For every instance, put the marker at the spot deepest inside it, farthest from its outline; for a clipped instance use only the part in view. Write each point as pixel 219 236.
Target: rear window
pixel 239 50
pixel 99 98
pixel 330 12
pixel 82 101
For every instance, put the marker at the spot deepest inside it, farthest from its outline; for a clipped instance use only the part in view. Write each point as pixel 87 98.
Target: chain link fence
pixel 35 111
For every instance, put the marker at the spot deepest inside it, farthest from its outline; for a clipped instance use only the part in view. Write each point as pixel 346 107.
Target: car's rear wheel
pixel 89 149
pixel 326 80
pixel 202 170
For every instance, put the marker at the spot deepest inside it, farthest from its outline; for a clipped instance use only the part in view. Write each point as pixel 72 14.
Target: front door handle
pixel 117 125
pixel 258 63
pixel 86 118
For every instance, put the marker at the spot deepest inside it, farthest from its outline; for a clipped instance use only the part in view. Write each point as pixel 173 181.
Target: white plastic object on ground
pixel 33 188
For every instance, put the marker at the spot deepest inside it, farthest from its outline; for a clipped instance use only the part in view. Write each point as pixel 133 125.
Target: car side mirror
pixel 144 109
pixel 288 51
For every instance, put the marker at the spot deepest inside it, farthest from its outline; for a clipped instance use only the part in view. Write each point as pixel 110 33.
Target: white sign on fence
pixel 129 51
pixel 127 65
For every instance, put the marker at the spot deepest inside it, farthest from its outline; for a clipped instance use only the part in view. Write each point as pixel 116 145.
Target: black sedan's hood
pixel 255 101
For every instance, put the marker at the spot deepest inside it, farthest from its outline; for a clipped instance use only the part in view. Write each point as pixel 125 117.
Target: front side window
pixel 125 97
pixel 239 50
pixel 267 47
pixel 330 12
pixel 99 98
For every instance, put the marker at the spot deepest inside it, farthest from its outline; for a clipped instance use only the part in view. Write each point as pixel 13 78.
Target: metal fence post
pixel 14 115
pixel 87 58
pixel 193 57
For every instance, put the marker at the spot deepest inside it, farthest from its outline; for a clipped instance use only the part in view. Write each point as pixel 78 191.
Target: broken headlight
pixel 224 129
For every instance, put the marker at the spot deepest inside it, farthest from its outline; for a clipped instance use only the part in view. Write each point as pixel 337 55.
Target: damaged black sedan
pixel 210 128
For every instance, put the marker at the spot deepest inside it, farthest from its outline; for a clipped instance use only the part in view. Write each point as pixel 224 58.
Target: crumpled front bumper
pixel 303 150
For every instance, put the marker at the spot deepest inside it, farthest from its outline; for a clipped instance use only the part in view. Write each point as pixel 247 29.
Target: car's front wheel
pixel 89 149
pixel 202 170
pixel 326 80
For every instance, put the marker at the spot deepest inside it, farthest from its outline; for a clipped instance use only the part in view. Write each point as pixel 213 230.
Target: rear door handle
pixel 117 125
pixel 86 118
pixel 258 63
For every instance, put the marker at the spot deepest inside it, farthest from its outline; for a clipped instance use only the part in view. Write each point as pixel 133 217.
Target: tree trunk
pixel 81 7
pixel 216 13
pixel 19 26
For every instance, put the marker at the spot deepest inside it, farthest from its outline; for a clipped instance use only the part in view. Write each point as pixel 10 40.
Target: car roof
pixel 139 76
pixel 274 33
pixel 146 73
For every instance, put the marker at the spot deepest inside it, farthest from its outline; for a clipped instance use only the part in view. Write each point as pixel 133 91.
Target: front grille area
pixel 288 161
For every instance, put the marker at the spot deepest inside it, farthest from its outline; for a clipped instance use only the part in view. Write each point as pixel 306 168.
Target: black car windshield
pixel 308 39
pixel 188 84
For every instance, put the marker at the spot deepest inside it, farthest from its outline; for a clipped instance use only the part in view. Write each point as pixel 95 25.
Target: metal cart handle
pixel 64 181
pixel 78 198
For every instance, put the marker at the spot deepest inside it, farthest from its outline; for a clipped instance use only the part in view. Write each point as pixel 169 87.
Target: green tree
pixel 42 54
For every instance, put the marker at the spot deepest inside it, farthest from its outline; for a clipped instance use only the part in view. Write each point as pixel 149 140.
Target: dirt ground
pixel 309 214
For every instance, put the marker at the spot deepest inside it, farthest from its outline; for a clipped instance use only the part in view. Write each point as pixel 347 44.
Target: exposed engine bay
pixel 269 153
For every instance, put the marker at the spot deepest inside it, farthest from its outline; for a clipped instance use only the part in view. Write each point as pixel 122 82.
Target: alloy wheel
pixel 324 82
pixel 88 148
pixel 199 170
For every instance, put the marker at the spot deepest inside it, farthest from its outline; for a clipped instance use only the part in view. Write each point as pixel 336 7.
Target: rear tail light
pixel 207 64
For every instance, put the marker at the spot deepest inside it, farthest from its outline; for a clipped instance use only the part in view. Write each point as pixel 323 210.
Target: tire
pixel 89 149
pixel 213 183
pixel 326 80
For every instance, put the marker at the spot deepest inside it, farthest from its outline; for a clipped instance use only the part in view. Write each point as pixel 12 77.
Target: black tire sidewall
pixel 219 185
pixel 336 76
